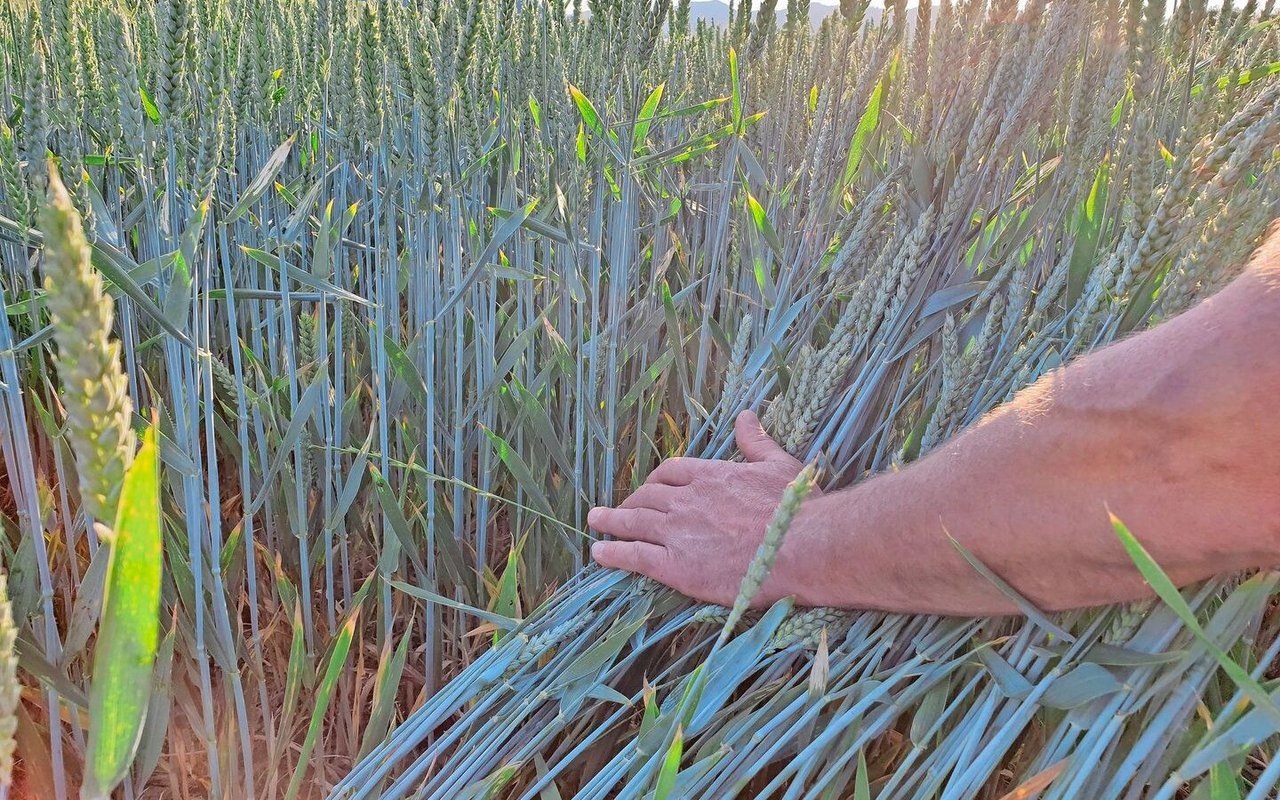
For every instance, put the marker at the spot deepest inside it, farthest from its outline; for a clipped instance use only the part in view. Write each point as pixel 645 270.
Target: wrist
pixel 815 564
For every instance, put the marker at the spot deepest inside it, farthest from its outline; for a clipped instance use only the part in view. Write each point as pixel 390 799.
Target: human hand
pixel 696 523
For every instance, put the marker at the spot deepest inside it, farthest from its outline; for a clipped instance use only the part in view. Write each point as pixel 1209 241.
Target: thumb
pixel 755 444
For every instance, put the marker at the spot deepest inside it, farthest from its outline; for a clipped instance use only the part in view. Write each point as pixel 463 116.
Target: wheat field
pixel 326 322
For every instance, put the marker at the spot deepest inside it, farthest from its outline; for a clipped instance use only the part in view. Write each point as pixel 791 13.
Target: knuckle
pixel 674 465
pixel 652 560
pixel 611 520
pixel 616 555
pixel 622 521
pixel 651 521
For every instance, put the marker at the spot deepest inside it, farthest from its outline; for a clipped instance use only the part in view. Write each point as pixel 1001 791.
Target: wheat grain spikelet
pixel 96 398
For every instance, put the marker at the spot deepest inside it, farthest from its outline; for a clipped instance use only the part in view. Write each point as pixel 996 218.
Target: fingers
pixel 642 557
pixel 628 523
pixel 657 496
pixel 677 471
pixel 755 444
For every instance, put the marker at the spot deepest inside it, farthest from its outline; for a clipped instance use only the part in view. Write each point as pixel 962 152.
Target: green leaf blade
pixel 129 633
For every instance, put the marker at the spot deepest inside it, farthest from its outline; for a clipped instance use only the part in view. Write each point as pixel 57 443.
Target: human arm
pixel 1174 429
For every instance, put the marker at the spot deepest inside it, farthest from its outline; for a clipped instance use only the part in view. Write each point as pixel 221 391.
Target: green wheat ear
pixel 767 552
pixel 9 689
pixel 95 390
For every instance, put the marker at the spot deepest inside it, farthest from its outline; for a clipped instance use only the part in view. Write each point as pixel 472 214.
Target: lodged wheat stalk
pixel 95 396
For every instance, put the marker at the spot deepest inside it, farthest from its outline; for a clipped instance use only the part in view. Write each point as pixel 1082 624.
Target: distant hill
pixel 711 11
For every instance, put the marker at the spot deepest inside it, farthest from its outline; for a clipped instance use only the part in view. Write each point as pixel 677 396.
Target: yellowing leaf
pixel 130 629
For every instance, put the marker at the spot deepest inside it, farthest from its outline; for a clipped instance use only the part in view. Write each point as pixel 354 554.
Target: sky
pixel 880 4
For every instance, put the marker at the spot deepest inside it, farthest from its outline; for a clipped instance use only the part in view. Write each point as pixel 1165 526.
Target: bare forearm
pixel 1174 430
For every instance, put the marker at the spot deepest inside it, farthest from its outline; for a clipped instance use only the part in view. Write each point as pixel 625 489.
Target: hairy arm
pixel 1175 430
